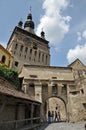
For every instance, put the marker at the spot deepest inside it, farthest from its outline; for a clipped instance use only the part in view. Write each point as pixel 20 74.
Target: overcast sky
pixel 63 21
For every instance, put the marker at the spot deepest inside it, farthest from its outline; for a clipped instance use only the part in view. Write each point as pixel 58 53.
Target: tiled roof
pixel 14 93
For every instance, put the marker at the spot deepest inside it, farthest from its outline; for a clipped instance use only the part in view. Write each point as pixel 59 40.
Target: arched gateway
pixel 57 104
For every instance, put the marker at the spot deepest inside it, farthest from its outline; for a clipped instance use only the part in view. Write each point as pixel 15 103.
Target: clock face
pixel 27 41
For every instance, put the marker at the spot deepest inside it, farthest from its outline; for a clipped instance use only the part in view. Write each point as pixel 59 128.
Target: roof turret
pixel 42 34
pixel 20 23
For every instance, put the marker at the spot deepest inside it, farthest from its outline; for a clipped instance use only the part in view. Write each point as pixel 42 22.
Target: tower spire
pixel 29 24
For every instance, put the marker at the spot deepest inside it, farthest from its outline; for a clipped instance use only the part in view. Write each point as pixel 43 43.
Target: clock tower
pixel 28 48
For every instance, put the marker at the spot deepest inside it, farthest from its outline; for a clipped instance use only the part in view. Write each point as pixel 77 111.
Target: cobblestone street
pixel 65 126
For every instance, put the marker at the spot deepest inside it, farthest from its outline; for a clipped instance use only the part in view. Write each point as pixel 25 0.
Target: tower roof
pixel 29 16
pixel 29 23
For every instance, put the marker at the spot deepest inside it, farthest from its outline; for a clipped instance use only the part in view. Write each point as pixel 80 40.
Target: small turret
pixel 42 34
pixel 20 23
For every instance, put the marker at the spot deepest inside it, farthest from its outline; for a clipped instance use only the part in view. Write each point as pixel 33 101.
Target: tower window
pixel 42 57
pixel 16 46
pixel 26 49
pixel 3 59
pixel 30 51
pixel 39 56
pixel 35 53
pixel 46 59
pixel 25 56
pixel 21 49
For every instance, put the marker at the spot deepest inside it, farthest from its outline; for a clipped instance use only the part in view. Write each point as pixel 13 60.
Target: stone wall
pixel 64 84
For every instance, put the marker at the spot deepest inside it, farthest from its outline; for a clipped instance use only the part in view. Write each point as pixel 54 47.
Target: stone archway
pixel 56 104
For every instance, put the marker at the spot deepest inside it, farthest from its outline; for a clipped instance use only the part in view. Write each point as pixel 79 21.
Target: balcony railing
pixel 23 124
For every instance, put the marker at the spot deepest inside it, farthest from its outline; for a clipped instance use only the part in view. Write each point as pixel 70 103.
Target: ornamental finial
pixel 30 9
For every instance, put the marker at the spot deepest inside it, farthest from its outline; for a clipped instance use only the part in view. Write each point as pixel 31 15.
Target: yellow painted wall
pixel 9 57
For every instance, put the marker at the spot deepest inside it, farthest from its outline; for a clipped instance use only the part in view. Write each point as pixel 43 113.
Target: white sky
pixel 63 21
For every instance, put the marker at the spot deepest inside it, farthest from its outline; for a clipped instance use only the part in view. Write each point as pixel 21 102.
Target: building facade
pixel 27 47
pixel 17 110
pixel 5 57
pixel 60 89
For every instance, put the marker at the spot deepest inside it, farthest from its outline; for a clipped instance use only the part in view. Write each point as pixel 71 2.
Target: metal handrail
pixel 28 119
pixel 19 121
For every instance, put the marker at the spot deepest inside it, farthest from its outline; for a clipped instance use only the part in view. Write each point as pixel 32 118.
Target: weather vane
pixel 30 9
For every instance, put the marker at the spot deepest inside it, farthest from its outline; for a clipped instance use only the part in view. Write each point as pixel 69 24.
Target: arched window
pixel 3 59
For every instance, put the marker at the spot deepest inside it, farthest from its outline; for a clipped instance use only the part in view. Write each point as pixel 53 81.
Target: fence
pixel 23 124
